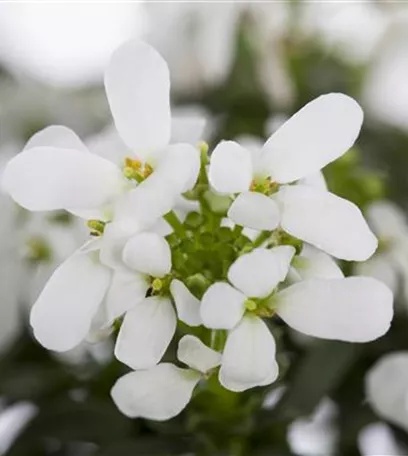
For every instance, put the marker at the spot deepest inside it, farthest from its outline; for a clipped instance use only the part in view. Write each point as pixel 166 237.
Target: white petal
pixel 222 306
pixel 187 128
pixel 254 210
pixel 180 165
pixel 127 289
pixel 320 132
pixel 315 180
pixel 146 332
pixel 149 201
pixel 354 309
pixel 47 178
pixel 256 274
pixel 249 356
pixel 380 267
pixel 113 241
pixel 379 439
pixel 109 145
pixel 230 168
pixel 148 253
pixel 62 315
pixel 56 136
pixel 387 220
pixel 187 305
pixel 387 388
pixel 159 393
pixel 326 221
pixel 315 264
pixel 195 354
pixel 137 85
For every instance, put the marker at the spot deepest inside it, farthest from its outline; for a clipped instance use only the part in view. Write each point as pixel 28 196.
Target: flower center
pixel 38 250
pixel 250 305
pixel 160 286
pixel 264 185
pixel 97 227
pixel 136 170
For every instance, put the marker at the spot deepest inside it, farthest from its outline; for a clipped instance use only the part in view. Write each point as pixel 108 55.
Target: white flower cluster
pixel 204 248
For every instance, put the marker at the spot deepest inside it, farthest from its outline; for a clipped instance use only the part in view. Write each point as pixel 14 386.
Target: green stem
pixel 262 237
pixel 172 219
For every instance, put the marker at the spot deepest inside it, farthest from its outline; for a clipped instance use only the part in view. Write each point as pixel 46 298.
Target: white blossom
pixel 330 307
pixel 390 262
pixel 386 388
pixel 319 133
pixel 56 170
pixel 164 390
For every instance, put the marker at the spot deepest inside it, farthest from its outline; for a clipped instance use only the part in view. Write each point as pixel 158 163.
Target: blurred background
pixel 245 66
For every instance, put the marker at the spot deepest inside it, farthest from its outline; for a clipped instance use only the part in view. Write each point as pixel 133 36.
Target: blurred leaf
pixel 66 421
pixel 321 369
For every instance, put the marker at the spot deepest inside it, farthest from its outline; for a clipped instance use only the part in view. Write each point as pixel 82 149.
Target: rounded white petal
pixel 257 273
pixel 146 332
pixel 387 388
pixel 187 305
pixel 318 134
pixel 56 136
pixel 378 439
pixel 380 267
pixel 315 264
pixel 148 253
pixel 138 89
pixel 249 356
pixel 254 210
pixel 62 315
pixel 109 145
pixel 48 178
pixel 149 201
pixel 222 306
pixel 159 393
pixel 187 128
pixel 230 168
pixel 180 165
pixel 326 221
pixel 195 354
pixel 354 309
pixel 387 220
pixel 127 289
pixel 113 241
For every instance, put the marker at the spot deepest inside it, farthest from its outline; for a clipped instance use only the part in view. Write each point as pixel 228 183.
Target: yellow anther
pixel 128 172
pixel 147 170
pixel 157 284
pixel 133 164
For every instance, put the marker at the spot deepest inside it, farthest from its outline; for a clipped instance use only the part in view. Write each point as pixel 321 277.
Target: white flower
pixel 163 391
pixel 356 309
pixel 378 439
pixel 249 354
pixel 319 133
pixel 56 170
pixel 387 388
pixel 63 314
pixel 390 262
pixel 150 322
pixel 316 435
